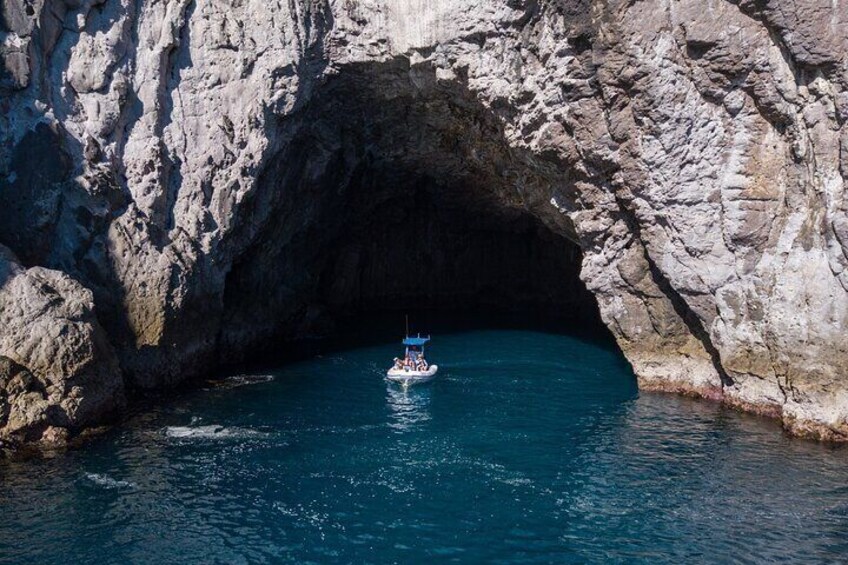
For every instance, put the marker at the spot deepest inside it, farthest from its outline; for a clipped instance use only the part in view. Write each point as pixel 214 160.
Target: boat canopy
pixel 416 341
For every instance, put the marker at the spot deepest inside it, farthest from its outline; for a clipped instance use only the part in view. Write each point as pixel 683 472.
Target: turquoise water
pixel 529 448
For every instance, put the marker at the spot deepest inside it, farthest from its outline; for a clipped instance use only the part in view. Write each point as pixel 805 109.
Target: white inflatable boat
pixel 406 378
pixel 407 375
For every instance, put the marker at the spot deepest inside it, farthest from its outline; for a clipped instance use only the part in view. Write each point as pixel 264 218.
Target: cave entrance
pixel 396 191
pixel 428 248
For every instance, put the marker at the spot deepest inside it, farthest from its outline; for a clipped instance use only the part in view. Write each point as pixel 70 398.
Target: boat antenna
pixel 407 324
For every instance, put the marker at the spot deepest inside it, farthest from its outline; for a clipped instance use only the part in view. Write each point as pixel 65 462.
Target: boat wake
pixel 108 482
pixel 239 381
pixel 211 432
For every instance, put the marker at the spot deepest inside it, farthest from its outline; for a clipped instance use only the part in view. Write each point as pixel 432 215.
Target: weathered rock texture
pixel 220 173
pixel 58 371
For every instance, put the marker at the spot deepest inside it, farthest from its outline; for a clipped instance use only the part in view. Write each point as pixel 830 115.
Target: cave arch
pixel 394 185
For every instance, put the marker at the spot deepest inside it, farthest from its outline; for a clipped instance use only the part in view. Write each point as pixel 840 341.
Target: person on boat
pixel 397 364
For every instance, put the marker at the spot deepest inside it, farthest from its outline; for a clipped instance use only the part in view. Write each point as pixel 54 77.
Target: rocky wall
pixel 694 150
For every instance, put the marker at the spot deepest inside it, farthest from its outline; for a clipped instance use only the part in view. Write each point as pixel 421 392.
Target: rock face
pixel 58 372
pixel 213 176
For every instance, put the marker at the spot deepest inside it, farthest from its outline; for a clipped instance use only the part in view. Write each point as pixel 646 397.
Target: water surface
pixel 529 448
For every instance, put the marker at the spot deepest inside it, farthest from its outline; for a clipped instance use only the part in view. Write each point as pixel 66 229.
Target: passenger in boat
pixel 397 364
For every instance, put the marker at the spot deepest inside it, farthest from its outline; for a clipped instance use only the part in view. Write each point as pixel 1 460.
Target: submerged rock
pixel 220 177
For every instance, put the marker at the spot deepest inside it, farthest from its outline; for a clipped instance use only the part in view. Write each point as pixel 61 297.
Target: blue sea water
pixel 529 447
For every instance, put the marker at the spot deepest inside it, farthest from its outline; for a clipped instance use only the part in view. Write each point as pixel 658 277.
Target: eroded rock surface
pixel 58 372
pixel 191 162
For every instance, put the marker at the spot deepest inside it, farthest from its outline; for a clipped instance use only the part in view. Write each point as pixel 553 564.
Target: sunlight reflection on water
pixel 408 406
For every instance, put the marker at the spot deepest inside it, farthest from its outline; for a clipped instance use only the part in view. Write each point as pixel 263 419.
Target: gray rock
pixel 17 16
pixel 14 63
pixel 57 369
pixel 200 164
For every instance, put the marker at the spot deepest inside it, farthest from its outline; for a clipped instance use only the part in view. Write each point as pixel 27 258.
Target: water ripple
pixel 540 453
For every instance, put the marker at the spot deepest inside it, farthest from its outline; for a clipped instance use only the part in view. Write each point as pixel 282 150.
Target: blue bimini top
pixel 417 341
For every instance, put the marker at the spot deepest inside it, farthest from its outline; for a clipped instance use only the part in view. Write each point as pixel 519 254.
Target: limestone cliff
pixel 182 180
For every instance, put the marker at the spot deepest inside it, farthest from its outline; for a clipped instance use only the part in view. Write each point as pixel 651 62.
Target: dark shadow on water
pixel 384 327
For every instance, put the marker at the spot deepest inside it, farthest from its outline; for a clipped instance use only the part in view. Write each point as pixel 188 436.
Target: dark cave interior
pixel 396 192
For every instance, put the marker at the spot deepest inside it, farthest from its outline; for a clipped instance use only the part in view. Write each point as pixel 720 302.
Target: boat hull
pixel 407 378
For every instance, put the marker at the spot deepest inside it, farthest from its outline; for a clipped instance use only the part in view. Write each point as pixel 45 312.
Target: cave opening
pixel 396 191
